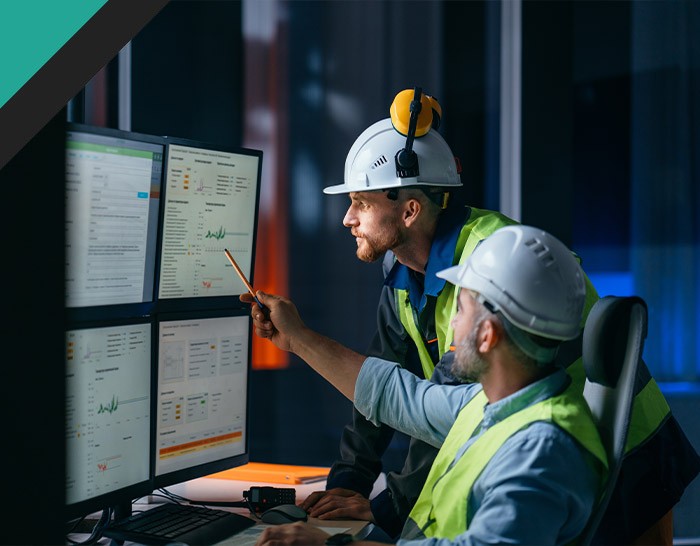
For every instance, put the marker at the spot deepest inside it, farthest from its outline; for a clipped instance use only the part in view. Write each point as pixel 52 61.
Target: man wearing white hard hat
pixel 399 175
pixel 520 460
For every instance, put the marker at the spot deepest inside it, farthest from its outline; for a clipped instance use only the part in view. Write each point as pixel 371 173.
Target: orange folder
pixel 274 473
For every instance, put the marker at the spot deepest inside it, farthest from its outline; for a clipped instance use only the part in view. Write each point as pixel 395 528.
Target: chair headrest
pixel 605 337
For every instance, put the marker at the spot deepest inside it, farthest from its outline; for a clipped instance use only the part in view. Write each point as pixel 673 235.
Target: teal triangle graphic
pixel 32 31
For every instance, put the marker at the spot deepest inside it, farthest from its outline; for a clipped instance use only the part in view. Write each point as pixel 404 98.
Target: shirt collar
pixel 543 389
pixel 442 253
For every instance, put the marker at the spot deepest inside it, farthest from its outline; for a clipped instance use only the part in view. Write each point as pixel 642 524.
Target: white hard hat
pixel 529 276
pixel 370 163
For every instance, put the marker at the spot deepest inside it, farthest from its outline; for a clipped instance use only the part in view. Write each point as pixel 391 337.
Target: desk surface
pixel 212 489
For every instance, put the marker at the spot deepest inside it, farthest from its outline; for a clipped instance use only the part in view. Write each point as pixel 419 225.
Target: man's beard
pixel 376 244
pixel 468 365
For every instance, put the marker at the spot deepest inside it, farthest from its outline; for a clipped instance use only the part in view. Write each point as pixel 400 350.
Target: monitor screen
pixel 108 415
pixel 113 185
pixel 202 396
pixel 210 204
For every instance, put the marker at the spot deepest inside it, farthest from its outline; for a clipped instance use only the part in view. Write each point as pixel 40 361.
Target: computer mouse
pixel 284 513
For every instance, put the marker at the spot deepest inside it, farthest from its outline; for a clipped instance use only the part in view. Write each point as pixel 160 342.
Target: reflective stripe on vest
pixel 441 509
pixel 481 224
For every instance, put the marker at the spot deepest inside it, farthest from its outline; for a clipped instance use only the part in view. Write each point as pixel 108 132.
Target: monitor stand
pixel 121 511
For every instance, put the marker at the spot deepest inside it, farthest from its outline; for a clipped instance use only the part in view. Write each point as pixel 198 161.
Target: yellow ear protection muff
pixel 413 114
pixel 403 108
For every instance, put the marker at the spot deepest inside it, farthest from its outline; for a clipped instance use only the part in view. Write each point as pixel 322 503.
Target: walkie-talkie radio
pixel 262 498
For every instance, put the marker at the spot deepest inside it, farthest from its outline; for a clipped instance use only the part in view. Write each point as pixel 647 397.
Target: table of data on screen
pixel 202 367
pixel 209 206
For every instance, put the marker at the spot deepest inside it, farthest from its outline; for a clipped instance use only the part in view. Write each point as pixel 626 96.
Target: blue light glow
pixel 612 283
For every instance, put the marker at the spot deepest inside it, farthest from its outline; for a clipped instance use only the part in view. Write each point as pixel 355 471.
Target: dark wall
pixel 547 116
pixel 601 142
pixel 576 106
pixel 186 73
pixel 466 96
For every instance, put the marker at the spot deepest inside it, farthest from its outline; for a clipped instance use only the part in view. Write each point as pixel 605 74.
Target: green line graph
pixel 109 408
pixel 218 235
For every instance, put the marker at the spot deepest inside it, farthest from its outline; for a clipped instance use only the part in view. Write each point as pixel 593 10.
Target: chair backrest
pixel 613 341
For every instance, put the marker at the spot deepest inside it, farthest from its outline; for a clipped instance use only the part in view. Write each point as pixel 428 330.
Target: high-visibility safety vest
pixel 480 224
pixel 441 509
pixel 650 409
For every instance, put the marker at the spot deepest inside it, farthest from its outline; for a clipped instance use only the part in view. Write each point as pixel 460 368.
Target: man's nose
pixel 350 220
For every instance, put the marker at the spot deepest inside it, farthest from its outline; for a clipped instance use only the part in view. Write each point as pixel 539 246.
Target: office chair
pixel 613 340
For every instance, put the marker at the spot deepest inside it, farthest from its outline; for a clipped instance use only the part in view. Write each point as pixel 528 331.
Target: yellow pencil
pixel 242 276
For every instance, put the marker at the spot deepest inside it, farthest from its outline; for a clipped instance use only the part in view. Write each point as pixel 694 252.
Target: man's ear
pixel 488 336
pixel 411 211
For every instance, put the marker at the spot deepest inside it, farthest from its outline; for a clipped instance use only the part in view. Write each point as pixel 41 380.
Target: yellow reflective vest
pixel 441 509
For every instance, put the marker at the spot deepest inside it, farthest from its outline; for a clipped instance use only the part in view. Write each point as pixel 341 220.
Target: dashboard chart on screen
pixel 202 391
pixel 210 205
pixel 113 184
pixel 108 409
pixel 158 344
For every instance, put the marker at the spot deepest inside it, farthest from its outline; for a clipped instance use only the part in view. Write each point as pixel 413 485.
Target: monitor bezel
pixel 205 469
pixel 133 309
pixel 127 493
pixel 203 303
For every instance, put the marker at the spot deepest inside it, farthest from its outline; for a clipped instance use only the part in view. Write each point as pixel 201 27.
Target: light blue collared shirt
pixel 539 487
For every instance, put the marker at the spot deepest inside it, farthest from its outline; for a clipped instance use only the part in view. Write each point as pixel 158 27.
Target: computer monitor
pixel 202 389
pixel 210 204
pixel 108 415
pixel 113 186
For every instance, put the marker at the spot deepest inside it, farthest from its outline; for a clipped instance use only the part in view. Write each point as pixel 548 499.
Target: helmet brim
pixel 334 190
pixel 451 275
pixel 391 185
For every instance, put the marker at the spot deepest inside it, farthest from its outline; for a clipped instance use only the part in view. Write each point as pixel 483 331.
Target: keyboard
pixel 167 523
